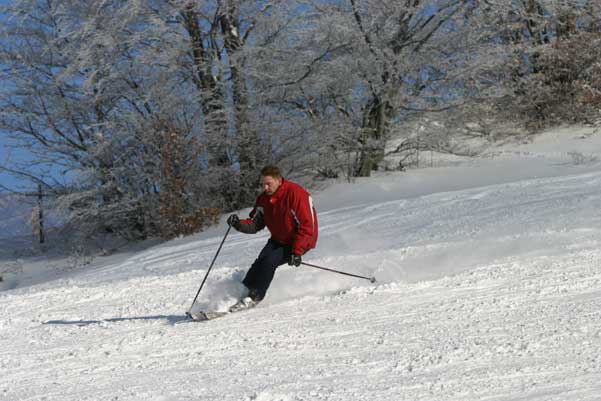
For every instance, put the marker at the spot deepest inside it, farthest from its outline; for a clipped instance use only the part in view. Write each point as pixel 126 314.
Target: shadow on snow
pixel 171 319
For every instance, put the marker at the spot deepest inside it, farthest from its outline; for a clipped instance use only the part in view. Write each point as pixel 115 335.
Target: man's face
pixel 270 184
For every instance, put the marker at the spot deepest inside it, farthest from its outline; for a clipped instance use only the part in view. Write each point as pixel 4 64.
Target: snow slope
pixel 488 288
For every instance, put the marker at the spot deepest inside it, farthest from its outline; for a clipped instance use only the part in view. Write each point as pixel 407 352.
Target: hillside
pixel 488 288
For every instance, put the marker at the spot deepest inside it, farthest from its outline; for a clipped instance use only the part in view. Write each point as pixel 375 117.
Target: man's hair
pixel 271 170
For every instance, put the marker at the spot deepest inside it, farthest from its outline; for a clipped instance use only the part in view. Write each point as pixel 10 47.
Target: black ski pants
pixel 259 276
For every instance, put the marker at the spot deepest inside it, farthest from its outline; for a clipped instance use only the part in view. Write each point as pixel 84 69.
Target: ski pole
pixel 372 279
pixel 209 270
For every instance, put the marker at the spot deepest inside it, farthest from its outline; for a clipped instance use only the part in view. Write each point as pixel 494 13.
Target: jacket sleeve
pixel 254 223
pixel 302 212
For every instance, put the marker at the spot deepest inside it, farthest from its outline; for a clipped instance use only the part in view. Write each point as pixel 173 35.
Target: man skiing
pixel 287 210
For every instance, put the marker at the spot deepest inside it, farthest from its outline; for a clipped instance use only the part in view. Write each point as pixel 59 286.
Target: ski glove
pixel 295 260
pixel 233 221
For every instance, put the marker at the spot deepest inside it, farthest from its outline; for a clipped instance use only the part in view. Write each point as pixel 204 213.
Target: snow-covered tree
pixel 87 82
pixel 552 73
pixel 154 113
pixel 353 70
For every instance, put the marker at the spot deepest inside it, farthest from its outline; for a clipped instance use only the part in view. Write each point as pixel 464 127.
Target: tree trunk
pixel 248 146
pixel 204 51
pixel 374 139
pixel 41 214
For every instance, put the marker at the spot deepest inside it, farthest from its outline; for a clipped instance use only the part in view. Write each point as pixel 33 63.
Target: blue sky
pixel 5 179
pixel 7 157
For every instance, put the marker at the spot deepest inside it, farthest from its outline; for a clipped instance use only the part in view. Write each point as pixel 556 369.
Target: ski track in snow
pixel 485 293
pixel 509 331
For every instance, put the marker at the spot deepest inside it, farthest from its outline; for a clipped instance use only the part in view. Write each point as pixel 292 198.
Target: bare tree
pixel 88 86
pixel 352 70
pixel 145 117
pixel 552 72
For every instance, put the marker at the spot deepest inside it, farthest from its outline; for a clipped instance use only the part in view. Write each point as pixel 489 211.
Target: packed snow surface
pixel 489 288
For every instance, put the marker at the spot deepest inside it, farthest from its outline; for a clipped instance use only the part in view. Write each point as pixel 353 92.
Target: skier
pixel 287 210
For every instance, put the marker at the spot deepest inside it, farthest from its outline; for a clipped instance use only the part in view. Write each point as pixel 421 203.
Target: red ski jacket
pixel 289 215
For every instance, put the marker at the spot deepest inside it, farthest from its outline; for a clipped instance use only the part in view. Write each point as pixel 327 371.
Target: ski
pixel 202 316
